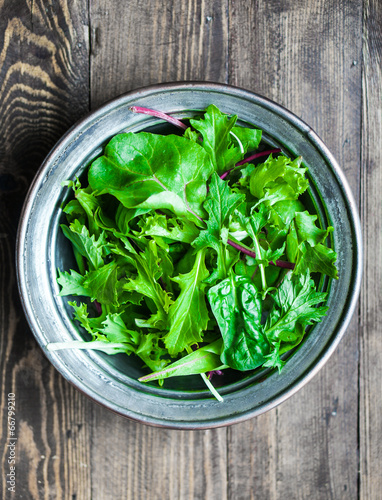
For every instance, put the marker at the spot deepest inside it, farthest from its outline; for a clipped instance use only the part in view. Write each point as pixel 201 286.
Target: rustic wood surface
pixel 322 60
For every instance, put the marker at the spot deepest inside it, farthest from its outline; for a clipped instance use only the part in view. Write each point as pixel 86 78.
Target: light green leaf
pixel 102 284
pixel 188 316
pixel 88 246
pixel 72 284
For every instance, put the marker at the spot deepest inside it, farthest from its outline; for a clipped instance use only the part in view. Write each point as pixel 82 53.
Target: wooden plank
pixel 132 46
pixel 371 216
pixel 43 90
pixel 151 463
pixel 142 43
pixel 306 56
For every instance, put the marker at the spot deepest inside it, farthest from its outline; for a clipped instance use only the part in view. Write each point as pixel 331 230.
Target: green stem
pixel 261 266
pixel 211 387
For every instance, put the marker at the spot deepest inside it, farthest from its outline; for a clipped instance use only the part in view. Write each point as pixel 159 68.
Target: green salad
pixel 194 250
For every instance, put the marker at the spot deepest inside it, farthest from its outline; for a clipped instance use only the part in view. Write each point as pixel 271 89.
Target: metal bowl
pixel 112 380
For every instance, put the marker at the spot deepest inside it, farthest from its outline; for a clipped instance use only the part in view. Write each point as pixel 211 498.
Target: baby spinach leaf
pixel 236 305
pixel 153 171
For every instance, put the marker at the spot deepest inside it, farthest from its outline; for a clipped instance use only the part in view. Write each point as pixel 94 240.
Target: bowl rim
pixel 354 288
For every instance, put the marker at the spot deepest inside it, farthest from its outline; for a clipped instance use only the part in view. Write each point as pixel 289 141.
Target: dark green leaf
pixel 236 305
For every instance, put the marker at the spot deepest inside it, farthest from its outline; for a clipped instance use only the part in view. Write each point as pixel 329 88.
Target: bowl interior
pixel 132 366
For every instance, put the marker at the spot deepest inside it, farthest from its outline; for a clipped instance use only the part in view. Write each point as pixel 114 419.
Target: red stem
pixel 159 114
pixel 258 155
pixel 278 263
pixel 246 160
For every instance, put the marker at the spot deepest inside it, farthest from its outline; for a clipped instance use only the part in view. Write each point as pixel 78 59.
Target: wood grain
pixel 301 55
pixel 142 43
pixel 371 214
pixel 43 90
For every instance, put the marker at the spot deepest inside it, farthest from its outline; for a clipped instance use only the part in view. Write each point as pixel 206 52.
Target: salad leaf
pixel 188 316
pixel 204 359
pixel 168 227
pixel 153 171
pixel 220 205
pixel 236 305
pixel 102 283
pixel 278 179
pixel 72 284
pixel 215 128
pixel 87 246
pixel 294 305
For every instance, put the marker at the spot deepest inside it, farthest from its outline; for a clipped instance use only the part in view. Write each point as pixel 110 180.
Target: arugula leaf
pixel 153 171
pixel 91 325
pixel 305 246
pixel 116 331
pixel 215 128
pixel 102 284
pixel 308 231
pixel 236 305
pixel 273 359
pixel 318 259
pixel 294 303
pixel 146 283
pixel 188 316
pixel 72 284
pixel 220 205
pixel 88 246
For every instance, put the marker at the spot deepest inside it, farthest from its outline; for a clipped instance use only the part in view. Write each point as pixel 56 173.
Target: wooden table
pixel 322 60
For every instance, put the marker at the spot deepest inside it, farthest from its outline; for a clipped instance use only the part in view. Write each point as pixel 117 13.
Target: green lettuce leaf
pixel 278 179
pixel 295 304
pixel 87 246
